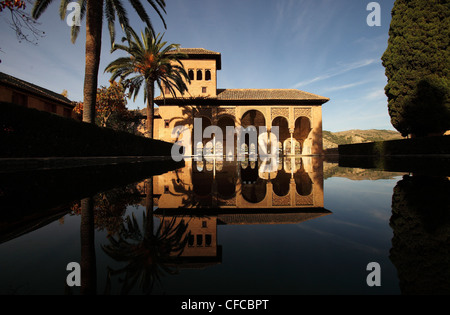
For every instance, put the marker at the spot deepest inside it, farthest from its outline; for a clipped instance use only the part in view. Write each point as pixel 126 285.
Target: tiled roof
pixel 267 94
pixel 200 53
pixel 257 96
pixel 9 80
pixel 195 51
pixel 269 218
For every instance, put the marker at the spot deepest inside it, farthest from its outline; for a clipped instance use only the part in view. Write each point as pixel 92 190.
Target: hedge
pixel 417 146
pixel 26 132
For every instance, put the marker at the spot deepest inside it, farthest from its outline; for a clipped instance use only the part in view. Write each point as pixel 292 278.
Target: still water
pixel 300 226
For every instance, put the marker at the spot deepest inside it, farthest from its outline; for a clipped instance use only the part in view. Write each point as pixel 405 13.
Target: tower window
pixel 166 123
pixel 191 74
pixel 203 89
pixel 208 75
pixel 199 75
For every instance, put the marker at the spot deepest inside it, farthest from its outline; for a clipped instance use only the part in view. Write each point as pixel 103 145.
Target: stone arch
pixel 302 130
pixel 283 133
pixel 223 122
pixel 254 118
pixel 198 147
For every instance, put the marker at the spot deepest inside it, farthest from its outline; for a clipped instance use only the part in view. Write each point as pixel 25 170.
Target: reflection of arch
pixel 283 132
pixel 224 122
pixel 226 185
pixel 281 183
pixel 202 181
pixel 248 174
pixel 302 130
pixel 253 188
pixel 256 192
pixel 303 183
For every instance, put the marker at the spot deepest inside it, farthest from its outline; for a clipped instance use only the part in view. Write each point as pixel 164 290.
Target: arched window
pixel 191 74
pixel 208 75
pixel 199 75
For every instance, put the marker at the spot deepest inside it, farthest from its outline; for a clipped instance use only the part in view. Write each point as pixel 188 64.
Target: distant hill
pixel 333 139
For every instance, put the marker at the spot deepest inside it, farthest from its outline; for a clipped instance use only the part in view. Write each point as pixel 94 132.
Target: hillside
pixel 333 139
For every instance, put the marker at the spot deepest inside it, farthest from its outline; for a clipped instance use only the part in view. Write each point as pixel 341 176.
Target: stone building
pixel 22 93
pixel 298 114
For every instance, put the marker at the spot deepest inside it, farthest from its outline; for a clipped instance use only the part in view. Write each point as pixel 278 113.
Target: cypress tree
pixel 417 66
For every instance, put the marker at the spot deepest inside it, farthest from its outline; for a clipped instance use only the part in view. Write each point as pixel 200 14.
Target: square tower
pixel 201 65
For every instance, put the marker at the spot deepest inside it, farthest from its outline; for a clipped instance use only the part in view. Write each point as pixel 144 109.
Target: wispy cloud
pixel 343 87
pixel 376 95
pixel 338 71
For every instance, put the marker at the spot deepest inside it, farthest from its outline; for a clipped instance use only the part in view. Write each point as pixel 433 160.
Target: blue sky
pixel 319 46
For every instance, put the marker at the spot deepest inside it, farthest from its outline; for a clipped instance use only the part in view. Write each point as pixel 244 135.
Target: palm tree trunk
pixel 149 206
pixel 88 260
pixel 150 108
pixel 94 22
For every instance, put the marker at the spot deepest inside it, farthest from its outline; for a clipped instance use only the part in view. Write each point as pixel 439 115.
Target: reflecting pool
pixel 301 225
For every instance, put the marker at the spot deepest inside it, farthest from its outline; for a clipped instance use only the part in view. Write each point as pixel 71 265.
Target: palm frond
pixel 63 8
pixel 156 6
pixel 39 7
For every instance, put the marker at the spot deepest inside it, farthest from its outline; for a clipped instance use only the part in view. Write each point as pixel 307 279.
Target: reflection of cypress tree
pixel 421 225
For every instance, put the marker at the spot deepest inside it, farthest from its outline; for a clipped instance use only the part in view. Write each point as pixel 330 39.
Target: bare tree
pixel 26 28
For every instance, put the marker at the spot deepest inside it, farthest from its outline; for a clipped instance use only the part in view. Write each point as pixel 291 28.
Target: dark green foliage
pixel 417 64
pixel 421 146
pixel 28 132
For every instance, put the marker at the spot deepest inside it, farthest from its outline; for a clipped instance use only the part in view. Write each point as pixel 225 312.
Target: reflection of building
pixel 207 194
pixel 298 114
pixel 22 93
pixel 292 182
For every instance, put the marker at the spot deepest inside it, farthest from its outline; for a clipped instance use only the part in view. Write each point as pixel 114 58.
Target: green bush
pixel 28 132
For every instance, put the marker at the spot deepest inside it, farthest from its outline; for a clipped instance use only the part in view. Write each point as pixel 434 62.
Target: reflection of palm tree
pixel 148 254
pixel 88 261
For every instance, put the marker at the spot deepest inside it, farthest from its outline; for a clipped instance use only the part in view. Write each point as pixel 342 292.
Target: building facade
pixel 22 93
pixel 297 114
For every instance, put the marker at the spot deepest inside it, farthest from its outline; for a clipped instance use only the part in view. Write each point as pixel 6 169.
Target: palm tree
pixel 94 10
pixel 153 61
